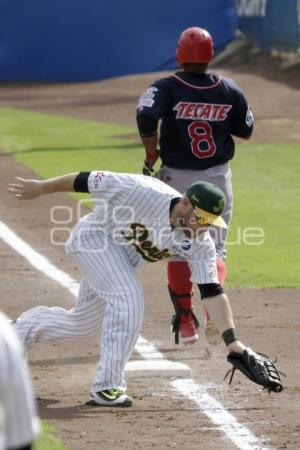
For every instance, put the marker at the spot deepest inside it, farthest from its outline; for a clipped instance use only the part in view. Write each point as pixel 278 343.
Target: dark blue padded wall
pixel 76 40
pixel 271 24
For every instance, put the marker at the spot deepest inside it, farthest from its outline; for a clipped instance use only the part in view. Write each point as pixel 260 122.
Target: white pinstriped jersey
pixel 18 420
pixel 134 211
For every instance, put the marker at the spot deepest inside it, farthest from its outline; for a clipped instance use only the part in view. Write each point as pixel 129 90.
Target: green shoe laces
pixel 111 394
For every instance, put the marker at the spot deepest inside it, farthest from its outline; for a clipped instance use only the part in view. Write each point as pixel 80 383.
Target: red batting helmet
pixel 195 45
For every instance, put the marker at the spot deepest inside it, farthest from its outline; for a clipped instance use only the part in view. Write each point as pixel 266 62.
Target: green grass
pixel 267 192
pixel 266 186
pixel 47 440
pixel 51 145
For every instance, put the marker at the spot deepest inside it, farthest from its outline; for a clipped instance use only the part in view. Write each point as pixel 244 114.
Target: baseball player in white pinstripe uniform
pixel 136 219
pixel 19 423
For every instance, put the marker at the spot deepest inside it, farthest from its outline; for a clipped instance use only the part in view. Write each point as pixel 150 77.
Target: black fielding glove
pixel 257 367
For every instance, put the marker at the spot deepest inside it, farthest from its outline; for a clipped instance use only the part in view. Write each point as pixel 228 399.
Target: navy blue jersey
pixel 199 114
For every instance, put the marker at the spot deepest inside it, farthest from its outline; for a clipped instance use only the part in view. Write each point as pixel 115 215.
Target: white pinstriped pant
pixel 110 293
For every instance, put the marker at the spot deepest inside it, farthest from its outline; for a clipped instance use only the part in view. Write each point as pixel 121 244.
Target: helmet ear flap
pixel 195 45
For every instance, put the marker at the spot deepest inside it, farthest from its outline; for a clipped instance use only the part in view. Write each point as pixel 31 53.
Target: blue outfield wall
pixel 77 40
pixel 271 24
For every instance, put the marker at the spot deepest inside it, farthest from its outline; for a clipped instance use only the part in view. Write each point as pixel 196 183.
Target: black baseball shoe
pixel 110 397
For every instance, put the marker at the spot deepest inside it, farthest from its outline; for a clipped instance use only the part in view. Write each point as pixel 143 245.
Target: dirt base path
pixel 62 373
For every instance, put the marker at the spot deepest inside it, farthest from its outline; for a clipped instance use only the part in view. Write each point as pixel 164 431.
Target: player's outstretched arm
pixel 219 309
pixel 27 189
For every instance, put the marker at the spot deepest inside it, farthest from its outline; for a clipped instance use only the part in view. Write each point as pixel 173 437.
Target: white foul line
pixel 225 421
pixel 198 394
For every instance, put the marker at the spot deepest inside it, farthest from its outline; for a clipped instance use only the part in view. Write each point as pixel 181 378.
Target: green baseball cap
pixel 208 202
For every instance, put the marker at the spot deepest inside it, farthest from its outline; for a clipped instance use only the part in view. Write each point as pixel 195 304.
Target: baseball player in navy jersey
pixel 136 220
pixel 19 423
pixel 199 112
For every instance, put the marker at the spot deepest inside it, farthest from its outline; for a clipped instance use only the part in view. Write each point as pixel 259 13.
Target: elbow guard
pixel 147 125
pixel 210 290
pixel 81 182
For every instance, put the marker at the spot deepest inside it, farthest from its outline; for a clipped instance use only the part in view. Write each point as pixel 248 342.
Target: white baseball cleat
pixel 110 397
pixel 188 332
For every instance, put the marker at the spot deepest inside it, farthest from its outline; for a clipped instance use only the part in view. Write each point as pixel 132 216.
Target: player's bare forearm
pixel 150 144
pixel 25 189
pixel 218 308
pixel 220 312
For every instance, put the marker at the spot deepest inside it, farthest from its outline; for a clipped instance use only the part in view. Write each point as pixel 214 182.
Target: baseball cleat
pixel 110 397
pixel 212 334
pixel 188 332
